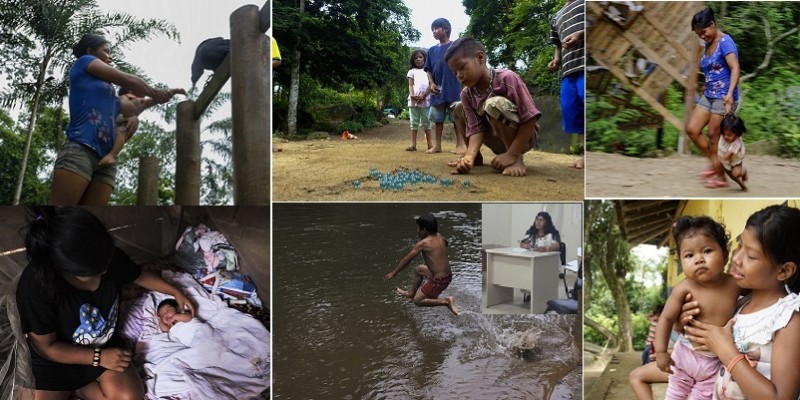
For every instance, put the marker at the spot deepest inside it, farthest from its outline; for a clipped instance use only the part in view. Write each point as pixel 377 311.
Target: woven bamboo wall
pixel 658 32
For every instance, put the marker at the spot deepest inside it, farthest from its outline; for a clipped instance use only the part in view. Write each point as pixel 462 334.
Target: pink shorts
pixel 693 374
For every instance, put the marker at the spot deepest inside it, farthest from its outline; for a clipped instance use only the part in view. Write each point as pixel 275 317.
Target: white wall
pixel 506 224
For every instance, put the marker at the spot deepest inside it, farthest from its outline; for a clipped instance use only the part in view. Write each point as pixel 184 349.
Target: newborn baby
pixel 168 315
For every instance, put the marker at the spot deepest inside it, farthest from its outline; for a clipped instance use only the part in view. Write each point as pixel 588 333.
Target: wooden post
pixel 688 99
pixel 187 156
pixel 147 192
pixel 250 103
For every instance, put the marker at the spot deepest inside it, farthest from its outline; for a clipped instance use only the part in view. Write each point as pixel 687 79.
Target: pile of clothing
pixel 208 256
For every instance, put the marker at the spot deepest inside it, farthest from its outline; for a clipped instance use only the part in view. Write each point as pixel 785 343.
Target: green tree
pixel 37 38
pixel 608 258
pixel 369 38
pixel 516 34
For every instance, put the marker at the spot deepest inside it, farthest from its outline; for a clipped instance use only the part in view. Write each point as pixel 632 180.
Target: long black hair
pixel 66 240
pixel 414 55
pixel 548 226
pixel 88 41
pixel 703 19
pixel 777 229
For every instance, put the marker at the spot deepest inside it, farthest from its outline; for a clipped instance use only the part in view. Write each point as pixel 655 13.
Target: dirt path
pixel 324 170
pixel 617 176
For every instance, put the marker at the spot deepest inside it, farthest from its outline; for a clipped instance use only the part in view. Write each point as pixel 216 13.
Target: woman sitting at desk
pixel 543 235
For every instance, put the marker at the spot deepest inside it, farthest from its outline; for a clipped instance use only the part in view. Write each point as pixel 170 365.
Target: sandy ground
pixel 324 170
pixel 617 176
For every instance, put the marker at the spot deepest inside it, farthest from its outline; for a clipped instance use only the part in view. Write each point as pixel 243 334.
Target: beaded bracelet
pixel 735 361
pixel 96 357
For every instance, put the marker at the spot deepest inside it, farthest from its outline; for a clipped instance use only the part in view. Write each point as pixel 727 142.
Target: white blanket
pixel 221 354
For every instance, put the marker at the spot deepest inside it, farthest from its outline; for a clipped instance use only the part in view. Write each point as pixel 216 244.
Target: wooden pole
pixel 251 104
pixel 187 156
pixel 147 191
pixel 688 98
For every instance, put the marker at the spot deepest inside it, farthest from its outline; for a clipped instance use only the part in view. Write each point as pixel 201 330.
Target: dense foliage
pixel 356 53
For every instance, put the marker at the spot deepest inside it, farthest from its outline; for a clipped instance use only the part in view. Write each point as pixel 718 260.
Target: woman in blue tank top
pixel 93 108
pixel 720 65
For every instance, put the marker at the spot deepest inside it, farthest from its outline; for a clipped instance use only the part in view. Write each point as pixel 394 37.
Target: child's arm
pixel 665 321
pixel 465 163
pixel 433 87
pixel 411 94
pixel 553 64
pixel 406 260
pixel 181 317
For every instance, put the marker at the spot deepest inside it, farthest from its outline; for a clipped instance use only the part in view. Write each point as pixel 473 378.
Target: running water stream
pixel 341 332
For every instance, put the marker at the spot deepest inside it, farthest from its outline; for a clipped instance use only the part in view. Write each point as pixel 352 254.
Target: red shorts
pixel 433 287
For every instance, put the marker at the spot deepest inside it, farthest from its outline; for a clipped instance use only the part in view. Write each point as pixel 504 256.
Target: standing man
pixel 444 87
pixel 566 33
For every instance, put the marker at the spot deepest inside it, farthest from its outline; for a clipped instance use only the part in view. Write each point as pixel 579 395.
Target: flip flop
pixel 707 173
pixel 716 183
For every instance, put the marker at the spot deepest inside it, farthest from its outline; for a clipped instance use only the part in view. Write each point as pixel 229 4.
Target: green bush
pixel 363 102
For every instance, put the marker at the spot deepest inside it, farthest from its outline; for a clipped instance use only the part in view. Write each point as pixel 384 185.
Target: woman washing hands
pixel 758 348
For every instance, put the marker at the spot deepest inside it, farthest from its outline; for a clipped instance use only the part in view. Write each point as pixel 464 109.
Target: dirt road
pixel 617 176
pixel 324 170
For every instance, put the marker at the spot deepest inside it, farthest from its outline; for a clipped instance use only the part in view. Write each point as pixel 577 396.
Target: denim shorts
pixel 438 113
pixel 82 160
pixel 714 106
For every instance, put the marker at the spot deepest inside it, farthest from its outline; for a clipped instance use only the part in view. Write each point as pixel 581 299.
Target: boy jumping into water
pixel 436 269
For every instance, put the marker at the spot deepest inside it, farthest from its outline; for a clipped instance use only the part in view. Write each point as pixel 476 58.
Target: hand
pixel 503 161
pixel 184 303
pixel 131 125
pixel 389 276
pixel 435 88
pixel 664 361
pixel 709 337
pixel 464 165
pixel 180 317
pixel 115 359
pixel 525 244
pixel 553 64
pixel 572 40
pixel 689 310
pixel 727 101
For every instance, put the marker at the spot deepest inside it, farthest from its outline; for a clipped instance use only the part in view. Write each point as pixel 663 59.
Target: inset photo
pixel 384 301
pixel 532 258
pixel 692 99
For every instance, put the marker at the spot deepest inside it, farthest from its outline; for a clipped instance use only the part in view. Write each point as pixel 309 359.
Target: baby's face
pixel 166 314
pixel 729 136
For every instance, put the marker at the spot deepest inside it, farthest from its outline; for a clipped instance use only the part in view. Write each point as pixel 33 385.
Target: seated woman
pixel 68 299
pixel 543 235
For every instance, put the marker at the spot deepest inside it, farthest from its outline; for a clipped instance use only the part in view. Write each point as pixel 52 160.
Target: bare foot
pixel 460 151
pixel 404 293
pixel 740 181
pixel 109 159
pixel 578 164
pixel 516 169
pixel 451 304
pixel 434 149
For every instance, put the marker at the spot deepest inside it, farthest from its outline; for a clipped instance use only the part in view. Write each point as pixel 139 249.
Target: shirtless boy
pixel 436 269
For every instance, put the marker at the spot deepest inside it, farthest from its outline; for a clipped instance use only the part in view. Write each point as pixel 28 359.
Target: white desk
pixel 529 270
